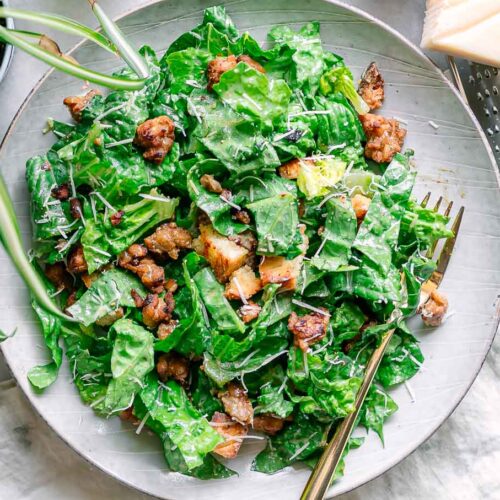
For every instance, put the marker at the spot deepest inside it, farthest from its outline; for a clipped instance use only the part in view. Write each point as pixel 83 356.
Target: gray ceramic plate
pixel 453 161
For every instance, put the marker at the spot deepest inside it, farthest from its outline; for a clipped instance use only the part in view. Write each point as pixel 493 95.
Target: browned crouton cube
pixel 223 255
pixel 231 431
pixel 243 281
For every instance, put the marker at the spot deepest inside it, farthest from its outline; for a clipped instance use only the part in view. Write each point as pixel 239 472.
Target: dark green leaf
pixel 402 360
pixel 132 359
pixel 44 375
pixel 212 294
pixel 337 237
pixel 111 290
pixel 253 94
pixel 218 210
pixel 276 220
pixel 377 408
pixel 303 437
pixel 202 397
pixel 272 401
pixel 170 407
pixel 101 240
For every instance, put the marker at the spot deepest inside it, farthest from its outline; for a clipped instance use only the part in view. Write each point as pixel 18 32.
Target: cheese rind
pixel 464 28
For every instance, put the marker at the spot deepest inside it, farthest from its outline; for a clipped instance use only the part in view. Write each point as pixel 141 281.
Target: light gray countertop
pixel 461 461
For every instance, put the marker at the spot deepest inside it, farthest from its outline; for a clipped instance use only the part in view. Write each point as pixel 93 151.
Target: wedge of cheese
pixel 464 28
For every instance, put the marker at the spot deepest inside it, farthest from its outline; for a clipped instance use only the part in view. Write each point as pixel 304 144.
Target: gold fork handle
pixel 321 476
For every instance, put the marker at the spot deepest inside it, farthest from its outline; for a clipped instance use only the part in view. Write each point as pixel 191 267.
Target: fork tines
pixel 444 256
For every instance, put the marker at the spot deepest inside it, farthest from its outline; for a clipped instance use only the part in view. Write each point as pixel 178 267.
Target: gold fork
pixel 321 476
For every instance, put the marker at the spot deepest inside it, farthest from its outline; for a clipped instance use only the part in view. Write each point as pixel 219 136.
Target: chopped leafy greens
pixel 228 252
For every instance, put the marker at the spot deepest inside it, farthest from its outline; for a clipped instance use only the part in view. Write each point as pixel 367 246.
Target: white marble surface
pixel 461 461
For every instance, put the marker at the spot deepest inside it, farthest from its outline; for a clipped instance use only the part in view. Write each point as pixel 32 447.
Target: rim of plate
pixel 8 52
pixel 417 51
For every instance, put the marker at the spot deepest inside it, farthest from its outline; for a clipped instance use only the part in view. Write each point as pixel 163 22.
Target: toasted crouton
pixel 223 255
pixel 248 312
pixel 281 270
pixel 232 432
pixel 243 281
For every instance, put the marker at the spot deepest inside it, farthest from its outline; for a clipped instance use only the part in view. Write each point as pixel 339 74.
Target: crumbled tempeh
pixel 268 424
pixel 61 192
pixel 384 136
pixel 88 279
pixel 135 259
pixel 169 239
pixel 133 255
pixel 217 67
pixel 231 431
pixel 151 275
pixel 308 329
pixel 245 281
pixel 76 261
pixel 242 216
pixel 116 218
pixel 210 183
pixel 165 329
pixel 371 87
pixel 360 205
pixel 110 318
pixel 57 274
pixel 171 285
pixel 76 104
pixel 237 404
pixel 248 312
pixel 224 255
pixel 128 416
pixel 156 136
pixel 138 300
pixel 434 310
pixel 253 64
pixel 173 366
pixel 70 301
pixel 75 208
pixel 155 310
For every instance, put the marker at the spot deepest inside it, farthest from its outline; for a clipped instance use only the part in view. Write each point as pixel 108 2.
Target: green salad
pixel 233 240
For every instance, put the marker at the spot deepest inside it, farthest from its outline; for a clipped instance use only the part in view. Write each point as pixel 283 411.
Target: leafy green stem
pixel 60 23
pixel 69 67
pixel 10 237
pixel 127 52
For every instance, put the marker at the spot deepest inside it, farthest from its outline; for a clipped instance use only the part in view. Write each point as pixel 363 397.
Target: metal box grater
pixel 481 85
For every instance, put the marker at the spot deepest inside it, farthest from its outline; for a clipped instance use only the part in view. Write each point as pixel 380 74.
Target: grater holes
pixel 495 90
pixel 487 73
pixel 489 132
pixel 495 71
pixel 479 96
pixel 495 110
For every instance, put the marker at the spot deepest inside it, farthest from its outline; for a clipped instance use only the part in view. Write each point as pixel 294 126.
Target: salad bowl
pixel 453 160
